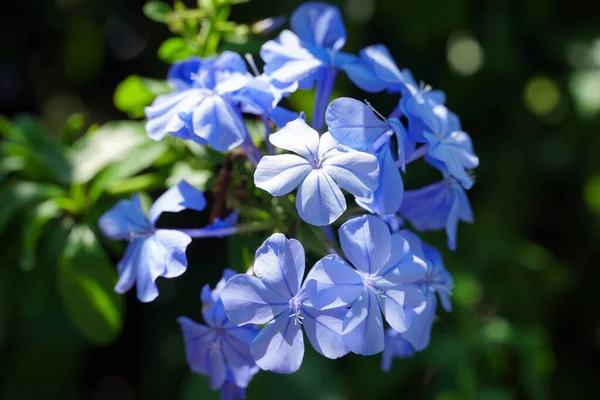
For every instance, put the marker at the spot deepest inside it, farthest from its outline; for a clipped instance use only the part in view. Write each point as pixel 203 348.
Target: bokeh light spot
pixel 497 330
pixel 541 95
pixel 465 54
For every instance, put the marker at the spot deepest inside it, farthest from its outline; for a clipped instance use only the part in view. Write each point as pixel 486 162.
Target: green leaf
pixel 174 49
pixel 22 195
pixel 33 225
pixel 138 159
pixel 86 279
pixel 183 171
pixel 111 143
pixel 135 93
pixel 157 11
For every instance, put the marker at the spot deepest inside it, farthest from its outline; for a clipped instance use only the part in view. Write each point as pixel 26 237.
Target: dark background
pixel 524 76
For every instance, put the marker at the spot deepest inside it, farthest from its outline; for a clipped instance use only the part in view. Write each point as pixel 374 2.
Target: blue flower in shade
pixel 383 280
pixel 320 167
pixel 151 252
pixel 306 54
pixel 375 70
pixel 395 347
pixel 353 124
pixel 219 349
pixel 438 206
pixel 450 149
pixel 437 280
pixel 276 297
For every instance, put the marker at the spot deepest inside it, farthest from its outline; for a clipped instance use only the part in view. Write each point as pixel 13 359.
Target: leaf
pixel 21 195
pixel 33 225
pixel 174 49
pixel 183 171
pixel 138 160
pixel 135 93
pixel 112 142
pixel 86 279
pixel 157 11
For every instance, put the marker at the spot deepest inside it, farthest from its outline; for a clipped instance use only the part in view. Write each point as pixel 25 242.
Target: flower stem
pixel 396 112
pixel 323 93
pixel 420 152
pixel 229 230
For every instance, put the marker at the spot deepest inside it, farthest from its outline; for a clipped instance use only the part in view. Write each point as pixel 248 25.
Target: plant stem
pixel 229 230
pixel 322 95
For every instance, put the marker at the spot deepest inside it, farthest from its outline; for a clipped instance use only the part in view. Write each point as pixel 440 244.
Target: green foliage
pixel 157 11
pixel 86 278
pixel 135 93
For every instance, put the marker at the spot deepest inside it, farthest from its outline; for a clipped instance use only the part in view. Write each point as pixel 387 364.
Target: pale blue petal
pixel 161 254
pixel 319 200
pixel 388 196
pixel 299 138
pixel 197 339
pixel 164 115
pixel 247 300
pixel 405 266
pixel 354 171
pixel 383 64
pixel 419 332
pixel 286 60
pixel 366 242
pixel 218 123
pixel 324 330
pixel 279 347
pixel 363 326
pixel 181 74
pixel 239 360
pixel 127 267
pixel 395 347
pixel 362 74
pixel 319 24
pixel 180 197
pixel 352 123
pixel 124 220
pixel 279 264
pixel 281 174
pixel 332 283
pixel 282 116
pixel 400 304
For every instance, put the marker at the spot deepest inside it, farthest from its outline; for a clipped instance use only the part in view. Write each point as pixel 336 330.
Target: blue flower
pixel 305 55
pixel 353 124
pixel 321 167
pixel 438 206
pixel 450 149
pixel 395 347
pixel 219 349
pixel 382 280
pixel 375 71
pixel 151 252
pixel 276 297
pixel 437 280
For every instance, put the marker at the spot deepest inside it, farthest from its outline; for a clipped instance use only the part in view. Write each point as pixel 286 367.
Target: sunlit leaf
pixel 157 10
pixel 174 49
pixel 135 93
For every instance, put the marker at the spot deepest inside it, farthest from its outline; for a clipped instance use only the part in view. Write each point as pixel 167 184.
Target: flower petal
pixel 352 123
pixel 124 219
pixel 180 197
pixel 363 326
pixel 319 24
pixel 279 346
pixel 332 283
pixel 354 171
pixel 196 338
pixel 404 265
pixel 324 330
pixel 299 138
pixel 320 201
pixel 395 346
pixel 279 264
pixel 127 267
pixel 399 304
pixel 216 122
pixel 248 300
pixel 366 242
pixel 281 174
pixel 164 113
pixel 419 332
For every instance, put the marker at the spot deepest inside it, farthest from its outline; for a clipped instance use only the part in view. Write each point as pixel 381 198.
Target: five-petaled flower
pixel 219 349
pixel 152 252
pixel 384 279
pixel 320 168
pixel 277 297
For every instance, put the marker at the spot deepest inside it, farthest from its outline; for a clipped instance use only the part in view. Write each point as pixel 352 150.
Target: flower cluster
pixel 383 276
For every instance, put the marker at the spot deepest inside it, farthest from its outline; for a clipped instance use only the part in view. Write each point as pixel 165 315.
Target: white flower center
pixel 295 307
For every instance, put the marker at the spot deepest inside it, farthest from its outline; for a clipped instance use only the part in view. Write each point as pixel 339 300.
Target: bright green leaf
pixel 183 171
pixel 111 143
pixel 135 93
pixel 157 11
pixel 86 280
pixel 174 49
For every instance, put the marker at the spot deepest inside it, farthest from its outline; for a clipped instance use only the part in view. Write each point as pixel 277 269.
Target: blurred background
pixel 524 76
